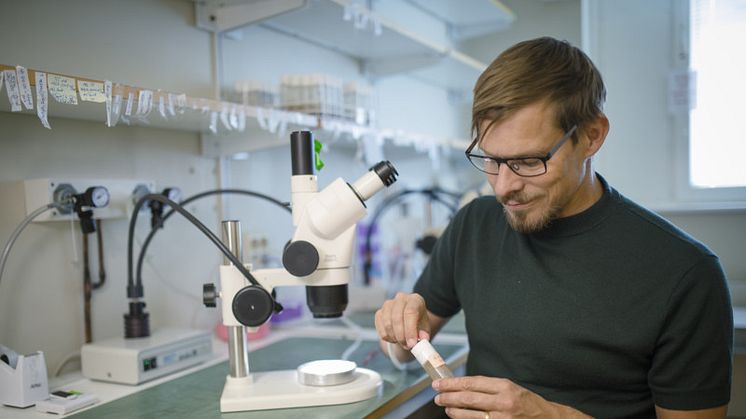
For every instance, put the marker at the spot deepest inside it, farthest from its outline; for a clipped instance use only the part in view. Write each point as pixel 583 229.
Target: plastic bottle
pixel 431 360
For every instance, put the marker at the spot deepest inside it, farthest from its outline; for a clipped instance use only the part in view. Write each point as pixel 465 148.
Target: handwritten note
pixel 11 86
pixel 24 87
pixel 42 98
pixel 107 99
pixel 91 91
pixel 62 89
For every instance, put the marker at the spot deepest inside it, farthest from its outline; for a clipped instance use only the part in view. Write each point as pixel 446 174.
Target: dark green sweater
pixel 610 311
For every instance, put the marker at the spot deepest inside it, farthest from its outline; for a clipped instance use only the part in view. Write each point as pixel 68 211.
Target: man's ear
pixel 595 134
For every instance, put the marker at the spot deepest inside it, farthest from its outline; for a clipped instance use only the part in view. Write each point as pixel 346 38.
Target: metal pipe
pixel 237 348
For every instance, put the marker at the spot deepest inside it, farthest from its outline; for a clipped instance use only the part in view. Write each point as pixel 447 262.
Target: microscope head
pixel 322 246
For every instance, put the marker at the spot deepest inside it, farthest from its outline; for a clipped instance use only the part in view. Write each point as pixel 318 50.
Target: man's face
pixel 530 203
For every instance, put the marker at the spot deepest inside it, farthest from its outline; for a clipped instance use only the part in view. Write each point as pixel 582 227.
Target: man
pixel 577 301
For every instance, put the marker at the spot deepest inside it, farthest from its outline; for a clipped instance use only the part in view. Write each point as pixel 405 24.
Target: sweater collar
pixel 583 221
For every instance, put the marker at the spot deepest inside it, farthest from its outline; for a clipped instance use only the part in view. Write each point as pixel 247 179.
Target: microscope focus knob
pixel 300 258
pixel 209 295
pixel 252 306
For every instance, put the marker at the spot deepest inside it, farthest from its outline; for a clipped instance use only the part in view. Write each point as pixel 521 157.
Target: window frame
pixel 684 190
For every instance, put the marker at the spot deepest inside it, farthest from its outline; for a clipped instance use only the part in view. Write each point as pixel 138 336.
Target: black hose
pixel 134 292
pixel 101 265
pixel 146 243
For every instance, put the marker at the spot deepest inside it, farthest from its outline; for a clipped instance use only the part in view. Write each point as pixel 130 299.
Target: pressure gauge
pixel 96 196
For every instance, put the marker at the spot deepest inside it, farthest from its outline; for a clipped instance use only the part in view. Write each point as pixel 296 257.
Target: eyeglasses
pixel 521 166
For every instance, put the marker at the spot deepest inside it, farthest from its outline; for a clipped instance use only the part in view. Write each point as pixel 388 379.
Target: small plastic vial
pixel 431 360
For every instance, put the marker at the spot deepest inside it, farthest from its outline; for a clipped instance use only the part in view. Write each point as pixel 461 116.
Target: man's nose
pixel 506 182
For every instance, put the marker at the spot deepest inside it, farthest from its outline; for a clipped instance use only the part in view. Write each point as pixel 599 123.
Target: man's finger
pixel 397 318
pixel 456 413
pixel 466 400
pixel 411 323
pixel 472 383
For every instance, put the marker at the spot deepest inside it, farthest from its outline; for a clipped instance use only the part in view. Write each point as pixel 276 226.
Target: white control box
pixel 136 360
pixel 40 192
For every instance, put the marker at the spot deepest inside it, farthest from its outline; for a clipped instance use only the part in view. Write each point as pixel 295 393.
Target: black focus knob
pixel 300 258
pixel 252 306
pixel 209 295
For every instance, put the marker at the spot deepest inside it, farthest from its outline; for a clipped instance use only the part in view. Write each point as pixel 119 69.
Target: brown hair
pixel 540 69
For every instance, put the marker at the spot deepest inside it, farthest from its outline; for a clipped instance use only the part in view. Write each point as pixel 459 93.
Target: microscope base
pixel 281 389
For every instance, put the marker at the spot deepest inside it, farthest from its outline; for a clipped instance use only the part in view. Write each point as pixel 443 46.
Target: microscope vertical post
pixel 237 348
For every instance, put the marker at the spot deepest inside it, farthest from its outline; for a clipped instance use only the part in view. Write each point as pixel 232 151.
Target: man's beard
pixel 532 221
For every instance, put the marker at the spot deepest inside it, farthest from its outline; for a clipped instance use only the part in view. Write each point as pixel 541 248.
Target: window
pixel 717 121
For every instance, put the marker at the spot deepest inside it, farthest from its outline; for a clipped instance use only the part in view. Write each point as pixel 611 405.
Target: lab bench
pixel 195 393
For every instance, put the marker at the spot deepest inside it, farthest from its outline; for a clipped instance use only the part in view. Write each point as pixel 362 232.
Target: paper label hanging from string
pixel 91 91
pixel 42 98
pixel 107 96
pixel 171 104
pixel 233 117
pixel 130 99
pixel 241 119
pixel 214 122
pixel 181 102
pixel 145 102
pixel 24 87
pixel 12 88
pixel 148 102
pixel 162 107
pixel 2 77
pixel 224 118
pixel 62 89
pixel 116 106
pixel 260 118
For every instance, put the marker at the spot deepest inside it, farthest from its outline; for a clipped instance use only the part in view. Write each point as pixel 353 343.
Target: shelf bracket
pixel 215 16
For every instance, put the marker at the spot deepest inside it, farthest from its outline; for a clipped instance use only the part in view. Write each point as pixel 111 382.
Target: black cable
pixel 136 292
pixel 87 289
pixel 432 193
pixel 101 265
pixel 146 243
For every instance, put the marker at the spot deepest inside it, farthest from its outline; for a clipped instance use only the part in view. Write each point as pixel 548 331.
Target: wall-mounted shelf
pixel 265 128
pixel 381 46
pixel 468 18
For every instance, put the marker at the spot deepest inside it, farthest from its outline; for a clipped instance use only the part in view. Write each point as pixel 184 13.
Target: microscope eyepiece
pixel 386 172
pixel 301 152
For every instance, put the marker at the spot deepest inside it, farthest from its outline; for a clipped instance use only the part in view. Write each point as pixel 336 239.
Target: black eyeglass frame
pixel 506 162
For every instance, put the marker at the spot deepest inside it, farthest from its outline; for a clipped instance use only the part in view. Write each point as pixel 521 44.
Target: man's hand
pixel 485 397
pixel 403 320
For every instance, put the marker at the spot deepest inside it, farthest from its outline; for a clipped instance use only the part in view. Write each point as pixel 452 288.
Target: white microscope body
pixel 319 257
